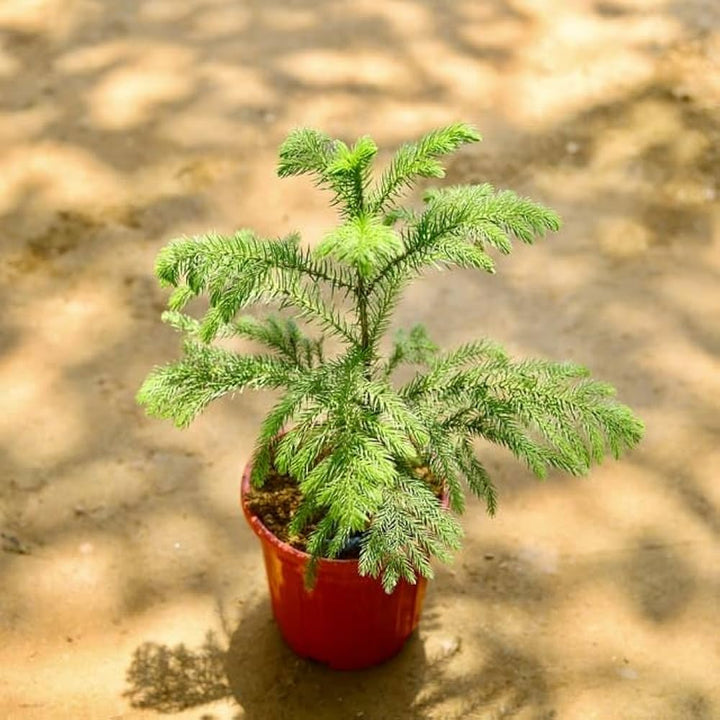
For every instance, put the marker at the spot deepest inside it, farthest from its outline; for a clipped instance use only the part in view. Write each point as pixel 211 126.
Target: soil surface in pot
pixel 276 502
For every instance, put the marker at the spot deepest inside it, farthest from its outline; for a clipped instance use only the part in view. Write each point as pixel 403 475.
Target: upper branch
pixel 419 159
pixel 240 270
pixel 460 222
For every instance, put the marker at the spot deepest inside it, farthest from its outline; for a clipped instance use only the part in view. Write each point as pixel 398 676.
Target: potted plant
pixel 356 479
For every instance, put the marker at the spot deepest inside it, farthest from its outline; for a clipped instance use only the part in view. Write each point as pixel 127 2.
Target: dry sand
pixel 123 124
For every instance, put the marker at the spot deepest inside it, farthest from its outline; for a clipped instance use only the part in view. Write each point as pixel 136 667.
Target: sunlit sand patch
pixel 622 499
pixel 211 131
pixel 291 207
pixel 661 667
pixel 696 295
pixel 74 328
pixel 38 414
pixel 8 64
pixel 686 363
pixel 693 67
pixel 462 78
pixel 20 126
pixel 325 68
pixel 568 64
pixel 493 35
pixel 621 237
pixel 562 274
pixel 56 17
pixel 61 175
pixel 70 585
pixel 662 696
pixel 669 426
pixel 289 17
pixel 91 58
pixel 47 682
pixel 399 120
pixel 164 11
pixel 151 76
pixel 38 400
pixel 540 100
pixel 232 85
pixel 609 602
pixel 221 21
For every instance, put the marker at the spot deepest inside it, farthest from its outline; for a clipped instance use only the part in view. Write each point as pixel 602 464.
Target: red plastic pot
pixel 346 621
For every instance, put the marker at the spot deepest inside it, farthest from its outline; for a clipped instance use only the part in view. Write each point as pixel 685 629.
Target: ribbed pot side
pixel 345 621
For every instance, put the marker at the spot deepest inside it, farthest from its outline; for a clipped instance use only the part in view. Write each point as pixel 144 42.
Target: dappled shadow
pixel 483 658
pixel 268 681
pixel 121 84
pixel 124 124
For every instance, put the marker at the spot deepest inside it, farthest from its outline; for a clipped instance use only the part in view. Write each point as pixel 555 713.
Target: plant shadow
pixel 173 679
pixel 269 682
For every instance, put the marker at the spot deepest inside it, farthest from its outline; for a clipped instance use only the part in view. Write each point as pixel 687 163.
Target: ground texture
pixel 123 124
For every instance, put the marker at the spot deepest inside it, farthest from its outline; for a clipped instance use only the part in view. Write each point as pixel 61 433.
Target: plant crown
pixel 356 439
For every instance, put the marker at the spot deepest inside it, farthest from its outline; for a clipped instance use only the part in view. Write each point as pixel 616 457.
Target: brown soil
pixel 123 124
pixel 275 504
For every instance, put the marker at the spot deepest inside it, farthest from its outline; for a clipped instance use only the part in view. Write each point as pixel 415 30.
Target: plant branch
pixel 365 341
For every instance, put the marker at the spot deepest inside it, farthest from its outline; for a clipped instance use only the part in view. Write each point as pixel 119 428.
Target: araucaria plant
pixel 359 445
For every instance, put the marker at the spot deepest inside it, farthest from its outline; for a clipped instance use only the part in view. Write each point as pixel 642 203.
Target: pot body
pixel 345 621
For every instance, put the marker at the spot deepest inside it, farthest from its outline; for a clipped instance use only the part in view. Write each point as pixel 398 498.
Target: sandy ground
pixel 123 124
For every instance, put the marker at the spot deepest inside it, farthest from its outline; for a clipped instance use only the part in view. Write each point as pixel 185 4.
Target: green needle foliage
pixel 357 443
